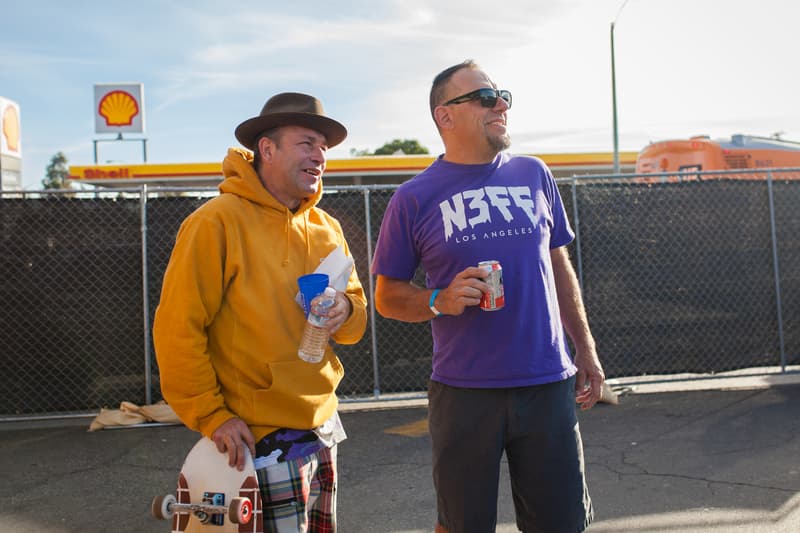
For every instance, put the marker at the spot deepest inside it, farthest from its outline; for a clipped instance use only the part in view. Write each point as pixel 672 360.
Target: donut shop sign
pixel 119 108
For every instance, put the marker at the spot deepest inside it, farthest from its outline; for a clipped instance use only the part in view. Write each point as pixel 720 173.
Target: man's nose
pixel 318 154
pixel 501 105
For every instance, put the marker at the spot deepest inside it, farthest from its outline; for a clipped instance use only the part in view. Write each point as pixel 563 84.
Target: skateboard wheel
pixel 240 510
pixel 161 507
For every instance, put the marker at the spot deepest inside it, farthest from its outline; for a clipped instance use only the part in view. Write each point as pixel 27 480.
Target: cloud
pixel 27 65
pixel 346 46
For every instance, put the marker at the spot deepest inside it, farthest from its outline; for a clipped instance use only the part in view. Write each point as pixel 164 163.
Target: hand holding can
pixel 495 298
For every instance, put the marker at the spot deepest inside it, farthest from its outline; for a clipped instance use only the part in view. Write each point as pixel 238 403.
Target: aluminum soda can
pixel 494 299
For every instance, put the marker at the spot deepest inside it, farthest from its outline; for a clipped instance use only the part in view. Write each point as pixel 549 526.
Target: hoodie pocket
pixel 301 395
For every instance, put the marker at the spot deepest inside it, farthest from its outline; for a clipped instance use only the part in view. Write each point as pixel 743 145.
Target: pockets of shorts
pixel 280 509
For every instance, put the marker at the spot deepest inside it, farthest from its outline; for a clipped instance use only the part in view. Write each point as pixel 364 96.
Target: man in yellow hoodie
pixel 227 328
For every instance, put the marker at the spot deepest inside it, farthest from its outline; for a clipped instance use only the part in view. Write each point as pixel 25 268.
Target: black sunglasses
pixel 486 96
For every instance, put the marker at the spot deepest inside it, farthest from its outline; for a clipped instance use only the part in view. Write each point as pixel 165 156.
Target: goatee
pixel 500 142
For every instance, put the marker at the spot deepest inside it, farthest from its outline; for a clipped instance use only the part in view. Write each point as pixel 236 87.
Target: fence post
pixel 376 387
pixel 577 222
pixel 776 270
pixel 148 371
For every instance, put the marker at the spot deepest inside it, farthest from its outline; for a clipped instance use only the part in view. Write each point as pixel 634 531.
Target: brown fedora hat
pixel 290 109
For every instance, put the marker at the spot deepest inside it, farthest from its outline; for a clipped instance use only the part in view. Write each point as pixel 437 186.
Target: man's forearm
pixel 570 302
pixel 401 300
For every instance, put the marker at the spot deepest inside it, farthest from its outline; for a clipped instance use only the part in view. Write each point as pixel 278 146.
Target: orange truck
pixel 702 153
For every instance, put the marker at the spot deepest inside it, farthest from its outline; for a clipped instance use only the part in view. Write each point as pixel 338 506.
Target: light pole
pixel 614 92
pixel 614 103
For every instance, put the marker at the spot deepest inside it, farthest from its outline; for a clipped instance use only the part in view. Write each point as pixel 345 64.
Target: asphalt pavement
pixel 709 461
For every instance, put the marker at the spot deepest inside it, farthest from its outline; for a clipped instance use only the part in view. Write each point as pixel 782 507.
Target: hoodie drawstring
pixel 308 239
pixel 286 231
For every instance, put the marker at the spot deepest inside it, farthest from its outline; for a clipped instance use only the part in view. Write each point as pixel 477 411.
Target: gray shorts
pixel 537 428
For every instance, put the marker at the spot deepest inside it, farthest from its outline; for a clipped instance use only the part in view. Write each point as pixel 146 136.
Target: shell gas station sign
pixel 10 133
pixel 353 170
pixel 10 146
pixel 119 108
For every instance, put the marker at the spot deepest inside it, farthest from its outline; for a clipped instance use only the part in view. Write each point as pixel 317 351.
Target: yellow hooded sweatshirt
pixel 227 327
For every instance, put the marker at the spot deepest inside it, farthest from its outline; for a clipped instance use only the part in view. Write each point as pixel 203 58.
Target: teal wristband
pixel 435 311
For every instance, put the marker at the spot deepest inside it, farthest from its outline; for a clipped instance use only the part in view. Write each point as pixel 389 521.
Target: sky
pixel 683 68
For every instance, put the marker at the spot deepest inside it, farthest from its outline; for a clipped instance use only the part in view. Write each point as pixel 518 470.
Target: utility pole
pixel 614 103
pixel 614 92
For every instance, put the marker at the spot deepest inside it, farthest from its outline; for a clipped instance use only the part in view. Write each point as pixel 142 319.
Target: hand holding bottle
pixel 316 334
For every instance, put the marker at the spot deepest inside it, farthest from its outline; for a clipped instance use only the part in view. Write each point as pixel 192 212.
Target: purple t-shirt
pixel 453 216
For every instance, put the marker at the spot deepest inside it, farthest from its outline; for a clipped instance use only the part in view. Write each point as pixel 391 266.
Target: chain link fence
pixel 680 273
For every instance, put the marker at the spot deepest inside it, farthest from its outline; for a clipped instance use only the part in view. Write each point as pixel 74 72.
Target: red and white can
pixel 494 299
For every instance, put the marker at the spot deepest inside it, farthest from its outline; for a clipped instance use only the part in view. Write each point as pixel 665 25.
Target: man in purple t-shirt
pixel 503 381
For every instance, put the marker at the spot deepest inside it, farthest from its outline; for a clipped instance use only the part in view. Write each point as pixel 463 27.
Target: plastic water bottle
pixel 315 336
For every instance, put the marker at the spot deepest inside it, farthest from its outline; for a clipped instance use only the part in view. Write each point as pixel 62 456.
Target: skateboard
pixel 211 495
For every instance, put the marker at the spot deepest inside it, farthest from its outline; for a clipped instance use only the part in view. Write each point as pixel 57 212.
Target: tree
pixel 406 146
pixel 56 173
pixel 397 146
pixel 356 152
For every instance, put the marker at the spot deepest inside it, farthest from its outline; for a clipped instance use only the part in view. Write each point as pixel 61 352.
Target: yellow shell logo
pixel 118 108
pixel 11 128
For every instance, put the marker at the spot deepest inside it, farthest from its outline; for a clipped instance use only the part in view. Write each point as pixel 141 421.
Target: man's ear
pixel 443 117
pixel 265 148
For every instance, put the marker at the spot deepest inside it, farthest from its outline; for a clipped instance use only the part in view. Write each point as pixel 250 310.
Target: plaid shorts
pixel 299 495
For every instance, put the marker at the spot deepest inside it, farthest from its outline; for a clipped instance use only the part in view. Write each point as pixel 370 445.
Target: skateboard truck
pixel 239 510
pixel 208 490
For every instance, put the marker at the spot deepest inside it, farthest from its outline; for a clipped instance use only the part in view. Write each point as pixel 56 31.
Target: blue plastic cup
pixel 310 286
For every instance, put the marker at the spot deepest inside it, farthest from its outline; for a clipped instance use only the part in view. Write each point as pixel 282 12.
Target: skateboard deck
pixel 212 496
